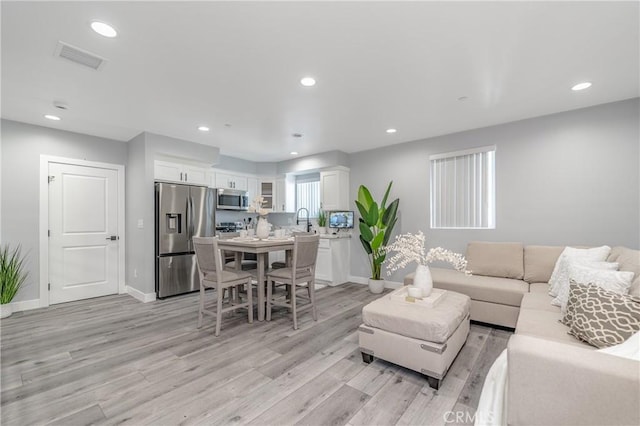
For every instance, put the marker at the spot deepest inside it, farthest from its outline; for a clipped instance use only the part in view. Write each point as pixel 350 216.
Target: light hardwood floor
pixel 115 360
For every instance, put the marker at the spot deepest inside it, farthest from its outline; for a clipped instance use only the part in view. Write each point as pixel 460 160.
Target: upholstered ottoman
pixel 416 336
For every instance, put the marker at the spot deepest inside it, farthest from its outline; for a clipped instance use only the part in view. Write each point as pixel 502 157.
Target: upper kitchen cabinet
pixel 180 173
pixel 227 181
pixel 267 192
pixel 252 188
pixel 334 189
pixel 285 199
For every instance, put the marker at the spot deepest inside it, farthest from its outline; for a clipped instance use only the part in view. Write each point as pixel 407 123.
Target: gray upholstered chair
pixel 301 273
pixel 213 275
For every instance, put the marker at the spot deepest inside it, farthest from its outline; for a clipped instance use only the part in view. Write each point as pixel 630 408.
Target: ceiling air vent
pixel 79 56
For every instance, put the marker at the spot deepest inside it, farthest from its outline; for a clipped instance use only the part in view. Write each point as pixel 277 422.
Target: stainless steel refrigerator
pixel 182 212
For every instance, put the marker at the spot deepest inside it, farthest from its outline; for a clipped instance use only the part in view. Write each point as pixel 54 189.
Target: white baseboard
pixel 25 305
pixel 143 297
pixel 364 280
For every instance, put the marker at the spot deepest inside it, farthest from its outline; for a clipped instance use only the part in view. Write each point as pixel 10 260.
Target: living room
pixel 566 162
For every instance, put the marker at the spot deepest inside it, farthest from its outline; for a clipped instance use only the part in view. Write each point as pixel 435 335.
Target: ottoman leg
pixel 367 358
pixel 433 382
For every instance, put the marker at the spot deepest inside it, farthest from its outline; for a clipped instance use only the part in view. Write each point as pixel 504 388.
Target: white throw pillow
pixel 560 273
pixel 595 273
pixel 627 349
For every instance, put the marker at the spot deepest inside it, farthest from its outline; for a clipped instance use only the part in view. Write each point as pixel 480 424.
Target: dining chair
pixel 301 273
pixel 213 275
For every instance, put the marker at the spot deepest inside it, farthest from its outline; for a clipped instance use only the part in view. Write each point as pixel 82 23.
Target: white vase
pixel 262 230
pixel 6 310
pixel 422 279
pixel 322 230
pixel 376 286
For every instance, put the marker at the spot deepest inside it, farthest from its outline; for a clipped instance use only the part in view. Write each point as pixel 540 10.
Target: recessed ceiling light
pixel 203 128
pixel 103 29
pixel 52 117
pixel 391 130
pixel 308 81
pixel 581 86
pixel 294 153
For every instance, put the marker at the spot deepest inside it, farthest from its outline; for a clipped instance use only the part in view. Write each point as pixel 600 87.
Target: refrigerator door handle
pixel 191 219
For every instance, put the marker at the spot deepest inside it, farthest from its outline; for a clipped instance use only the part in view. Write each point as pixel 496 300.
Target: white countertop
pixel 338 235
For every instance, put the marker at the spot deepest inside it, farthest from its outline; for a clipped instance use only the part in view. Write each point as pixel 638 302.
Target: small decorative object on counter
pixel 263 227
pixel 322 222
pixel 410 248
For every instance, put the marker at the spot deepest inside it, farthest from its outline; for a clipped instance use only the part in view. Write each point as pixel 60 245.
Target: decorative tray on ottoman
pixel 402 295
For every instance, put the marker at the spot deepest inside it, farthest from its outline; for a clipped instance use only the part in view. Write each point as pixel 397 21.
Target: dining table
pixel 261 248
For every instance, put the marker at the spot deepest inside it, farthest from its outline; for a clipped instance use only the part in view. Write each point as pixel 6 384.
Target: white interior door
pixel 83 224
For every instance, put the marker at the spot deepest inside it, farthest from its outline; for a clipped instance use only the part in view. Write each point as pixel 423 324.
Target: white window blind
pixel 308 193
pixel 463 190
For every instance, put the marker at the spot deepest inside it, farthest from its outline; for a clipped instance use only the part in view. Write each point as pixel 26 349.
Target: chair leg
pixel 219 311
pixel 201 309
pixel 312 295
pixel 293 306
pixel 250 302
pixel 269 295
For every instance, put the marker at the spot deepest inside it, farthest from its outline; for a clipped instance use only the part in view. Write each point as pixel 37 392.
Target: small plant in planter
pixel 12 276
pixel 322 221
pixel 376 224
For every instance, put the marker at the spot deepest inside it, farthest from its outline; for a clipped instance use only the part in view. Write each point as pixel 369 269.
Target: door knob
pixel 113 238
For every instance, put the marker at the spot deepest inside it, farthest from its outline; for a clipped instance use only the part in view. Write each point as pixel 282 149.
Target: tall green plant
pixel 376 224
pixel 322 218
pixel 12 273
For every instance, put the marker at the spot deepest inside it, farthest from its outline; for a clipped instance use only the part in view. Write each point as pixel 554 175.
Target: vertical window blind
pixel 463 189
pixel 308 193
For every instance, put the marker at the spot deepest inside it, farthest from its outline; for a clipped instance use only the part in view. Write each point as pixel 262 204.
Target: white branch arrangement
pixel 410 248
pixel 256 206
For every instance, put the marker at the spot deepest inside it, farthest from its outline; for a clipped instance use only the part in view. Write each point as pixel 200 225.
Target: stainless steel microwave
pixel 232 199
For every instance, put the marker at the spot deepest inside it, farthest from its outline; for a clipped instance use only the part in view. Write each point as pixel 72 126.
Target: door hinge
pixel 51 179
pixel 49 287
pixel 48 232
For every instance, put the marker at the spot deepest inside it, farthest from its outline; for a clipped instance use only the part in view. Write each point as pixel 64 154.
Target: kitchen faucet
pixel 298 219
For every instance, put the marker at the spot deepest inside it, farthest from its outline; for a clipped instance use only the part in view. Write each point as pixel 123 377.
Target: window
pixel 463 189
pixel 308 193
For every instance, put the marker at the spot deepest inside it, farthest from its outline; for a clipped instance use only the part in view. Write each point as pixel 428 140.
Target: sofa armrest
pixel 553 383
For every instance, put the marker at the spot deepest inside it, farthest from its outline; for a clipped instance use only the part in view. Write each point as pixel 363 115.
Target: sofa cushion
pixel 603 318
pixel 539 301
pixel 539 262
pixel 539 288
pixel 569 255
pixel 629 260
pixel 505 291
pixel 545 324
pixel 496 259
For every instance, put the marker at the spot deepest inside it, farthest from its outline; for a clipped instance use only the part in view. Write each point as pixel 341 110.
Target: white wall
pixel 568 178
pixel 22 145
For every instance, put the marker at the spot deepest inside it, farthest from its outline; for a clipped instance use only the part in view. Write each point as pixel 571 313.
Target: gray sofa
pixel 553 377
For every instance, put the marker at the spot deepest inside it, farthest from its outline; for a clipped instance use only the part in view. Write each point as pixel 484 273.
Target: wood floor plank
pixel 337 409
pixel 113 360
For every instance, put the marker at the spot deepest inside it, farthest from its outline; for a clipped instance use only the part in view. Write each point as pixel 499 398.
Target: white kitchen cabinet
pixel 333 261
pixel 228 181
pixel 334 190
pixel 267 191
pixel 252 188
pixel 181 173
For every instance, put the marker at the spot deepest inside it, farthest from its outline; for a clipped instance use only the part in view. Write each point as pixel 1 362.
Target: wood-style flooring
pixel 114 360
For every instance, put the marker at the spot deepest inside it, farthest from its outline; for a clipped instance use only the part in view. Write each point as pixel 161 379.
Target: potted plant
pixel 376 223
pixel 322 222
pixel 12 276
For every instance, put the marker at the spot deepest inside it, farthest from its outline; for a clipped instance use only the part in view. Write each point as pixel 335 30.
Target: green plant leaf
pixel 390 212
pixel 377 241
pixel 366 245
pixel 372 216
pixel 362 210
pixel 379 260
pixel 364 196
pixel 365 232
pixel 386 194
pixel 388 231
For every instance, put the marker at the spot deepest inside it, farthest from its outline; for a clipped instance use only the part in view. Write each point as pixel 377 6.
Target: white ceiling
pixel 176 65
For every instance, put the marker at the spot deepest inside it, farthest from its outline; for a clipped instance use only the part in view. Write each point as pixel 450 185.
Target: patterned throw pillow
pixel 602 318
pixel 574 293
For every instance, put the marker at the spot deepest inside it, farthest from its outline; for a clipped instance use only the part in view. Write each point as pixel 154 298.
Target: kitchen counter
pixel 334 236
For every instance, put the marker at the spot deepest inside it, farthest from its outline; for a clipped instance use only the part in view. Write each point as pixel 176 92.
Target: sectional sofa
pixel 553 377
